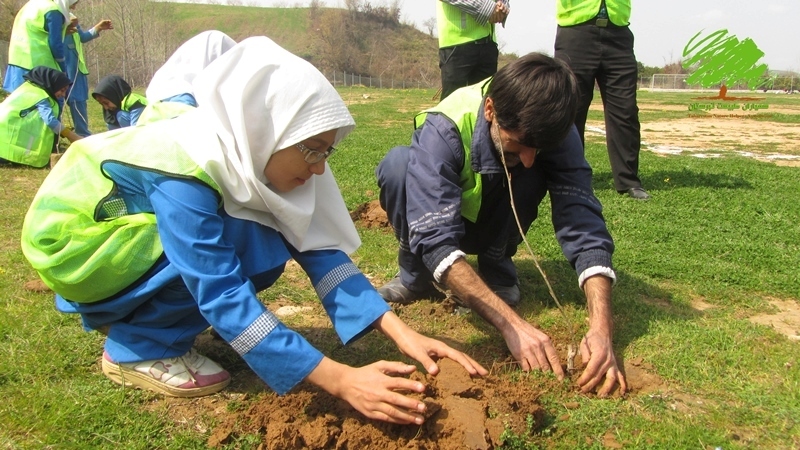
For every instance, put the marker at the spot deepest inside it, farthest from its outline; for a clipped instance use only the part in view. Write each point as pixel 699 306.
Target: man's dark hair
pixel 535 95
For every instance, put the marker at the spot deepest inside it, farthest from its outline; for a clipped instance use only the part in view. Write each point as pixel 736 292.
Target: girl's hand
pixel 423 348
pixel 371 389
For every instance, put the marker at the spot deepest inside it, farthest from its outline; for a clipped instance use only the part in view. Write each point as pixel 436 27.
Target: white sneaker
pixel 190 375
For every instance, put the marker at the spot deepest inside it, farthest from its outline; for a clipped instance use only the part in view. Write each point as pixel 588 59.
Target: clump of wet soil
pixel 370 215
pixel 463 413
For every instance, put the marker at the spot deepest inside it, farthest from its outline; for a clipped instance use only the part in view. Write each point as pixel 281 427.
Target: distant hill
pixel 365 41
pixel 368 43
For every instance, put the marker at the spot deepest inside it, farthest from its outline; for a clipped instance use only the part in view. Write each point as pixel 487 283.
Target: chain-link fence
pixel 349 79
pixel 663 81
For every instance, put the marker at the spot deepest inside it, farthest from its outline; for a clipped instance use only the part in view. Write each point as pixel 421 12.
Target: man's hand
pixel 597 351
pixel 598 355
pixel 532 348
pixel 423 348
pixel 371 390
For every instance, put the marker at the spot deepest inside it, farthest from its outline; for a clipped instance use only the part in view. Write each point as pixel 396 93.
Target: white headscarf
pixel 63 7
pixel 176 75
pixel 257 99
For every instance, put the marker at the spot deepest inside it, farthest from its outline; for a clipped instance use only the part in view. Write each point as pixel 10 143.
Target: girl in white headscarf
pixel 154 233
pixel 37 22
pixel 170 92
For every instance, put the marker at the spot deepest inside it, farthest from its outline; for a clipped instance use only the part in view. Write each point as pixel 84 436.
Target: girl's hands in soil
pixel 371 390
pixel 601 364
pixel 423 348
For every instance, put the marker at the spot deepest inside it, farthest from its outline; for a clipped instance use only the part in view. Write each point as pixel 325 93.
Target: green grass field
pixel 717 246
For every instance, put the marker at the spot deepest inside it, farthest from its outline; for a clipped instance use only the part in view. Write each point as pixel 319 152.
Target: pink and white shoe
pixel 190 375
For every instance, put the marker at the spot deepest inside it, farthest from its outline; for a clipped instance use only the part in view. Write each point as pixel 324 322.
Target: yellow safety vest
pixel 462 108
pixel 457 27
pixel 162 110
pixel 573 12
pixel 29 46
pixel 79 49
pixel 79 235
pixel 24 137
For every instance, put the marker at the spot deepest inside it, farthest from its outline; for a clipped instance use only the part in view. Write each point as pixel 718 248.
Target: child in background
pixel 37 39
pixel 29 125
pixel 75 65
pixel 121 107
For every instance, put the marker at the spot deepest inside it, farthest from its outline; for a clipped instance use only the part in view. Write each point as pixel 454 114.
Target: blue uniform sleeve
pixel 86 36
pixel 123 119
pixel 191 231
pixel 577 214
pixel 133 115
pixel 53 24
pixel 46 113
pixel 433 191
pixel 350 300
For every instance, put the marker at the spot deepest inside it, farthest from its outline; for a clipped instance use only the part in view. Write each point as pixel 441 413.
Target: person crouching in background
pixel 121 107
pixel 29 118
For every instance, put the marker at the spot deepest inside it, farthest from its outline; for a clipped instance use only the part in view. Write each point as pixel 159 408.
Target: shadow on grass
pixel 636 303
pixel 670 179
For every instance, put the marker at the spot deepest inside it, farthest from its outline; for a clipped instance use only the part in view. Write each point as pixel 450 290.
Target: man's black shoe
pixel 395 292
pixel 638 193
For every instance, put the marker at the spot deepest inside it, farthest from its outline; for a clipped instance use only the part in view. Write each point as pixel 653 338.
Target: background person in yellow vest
pixel 29 125
pixel 170 92
pixel 594 39
pixel 156 233
pixel 121 106
pixel 467 43
pixel 447 195
pixel 75 65
pixel 37 39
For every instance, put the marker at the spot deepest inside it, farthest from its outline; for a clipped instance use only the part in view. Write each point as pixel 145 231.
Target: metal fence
pixel 662 81
pixel 349 79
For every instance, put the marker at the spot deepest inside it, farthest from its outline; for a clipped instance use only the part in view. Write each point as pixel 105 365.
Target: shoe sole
pixel 131 378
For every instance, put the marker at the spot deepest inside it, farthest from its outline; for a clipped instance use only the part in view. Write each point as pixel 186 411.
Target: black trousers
pixel 605 55
pixel 467 64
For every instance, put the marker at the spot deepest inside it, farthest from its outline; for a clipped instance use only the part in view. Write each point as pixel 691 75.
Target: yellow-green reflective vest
pixel 78 233
pixel 130 100
pixel 573 12
pixel 457 27
pixel 162 110
pixel 29 46
pixel 79 48
pixel 24 137
pixel 462 108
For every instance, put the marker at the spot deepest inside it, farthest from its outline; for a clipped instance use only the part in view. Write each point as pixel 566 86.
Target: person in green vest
pixel 29 118
pixel 37 39
pixel 593 37
pixel 467 43
pixel 121 106
pixel 75 65
pixel 471 183
pixel 154 233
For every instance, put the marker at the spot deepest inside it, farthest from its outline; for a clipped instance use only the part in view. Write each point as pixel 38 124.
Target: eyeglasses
pixel 315 156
